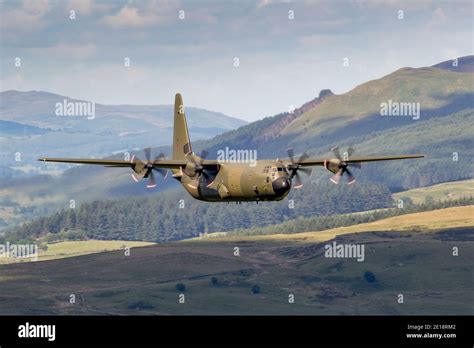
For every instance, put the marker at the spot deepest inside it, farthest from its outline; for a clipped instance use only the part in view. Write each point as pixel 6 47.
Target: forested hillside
pixel 443 130
pixel 320 223
pixel 443 133
pixel 174 215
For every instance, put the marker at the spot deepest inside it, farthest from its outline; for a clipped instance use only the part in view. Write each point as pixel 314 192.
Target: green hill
pixel 418 265
pixel 464 64
pixel 433 88
pixel 426 221
pixel 353 119
pixel 159 218
pixel 443 132
pixel 112 128
pixel 440 192
pixel 59 250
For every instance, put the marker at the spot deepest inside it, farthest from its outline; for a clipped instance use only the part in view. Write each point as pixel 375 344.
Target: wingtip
pixel 418 155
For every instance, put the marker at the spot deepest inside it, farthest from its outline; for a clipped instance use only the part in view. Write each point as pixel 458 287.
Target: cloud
pixel 28 17
pixel 394 4
pixel 288 60
pixel 264 3
pixel 37 7
pixel 81 6
pixel 204 15
pixel 129 17
pixel 19 20
pixel 68 51
pixel 439 14
pixel 149 14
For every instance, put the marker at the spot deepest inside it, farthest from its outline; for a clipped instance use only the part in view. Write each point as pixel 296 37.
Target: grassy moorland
pixel 409 255
pixel 454 217
pixel 440 192
pixel 59 250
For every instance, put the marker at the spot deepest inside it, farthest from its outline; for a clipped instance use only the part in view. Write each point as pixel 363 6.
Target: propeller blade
pixel 307 171
pixel 163 172
pixel 336 152
pixel 145 169
pixel 350 151
pixel 343 166
pixel 294 167
pixel 350 178
pixel 303 157
pixel 197 161
pixel 204 154
pixel 298 183
pixel 291 154
pixel 134 177
pixel 336 177
pixel 205 174
pixel 207 177
pixel 151 180
pixel 148 153
pixel 159 157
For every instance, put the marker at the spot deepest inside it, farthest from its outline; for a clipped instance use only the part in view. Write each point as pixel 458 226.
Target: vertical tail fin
pixel 181 142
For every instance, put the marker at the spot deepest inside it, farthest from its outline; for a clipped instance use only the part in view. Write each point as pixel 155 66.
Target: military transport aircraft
pixel 213 180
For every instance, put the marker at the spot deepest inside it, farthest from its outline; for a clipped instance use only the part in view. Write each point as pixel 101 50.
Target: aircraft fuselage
pixel 264 181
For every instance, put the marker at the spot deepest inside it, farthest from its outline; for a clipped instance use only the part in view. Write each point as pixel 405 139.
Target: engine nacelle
pixel 139 167
pixel 333 165
pixel 191 169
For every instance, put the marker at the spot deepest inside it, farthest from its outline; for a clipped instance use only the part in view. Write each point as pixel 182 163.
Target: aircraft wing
pixel 165 163
pixel 321 162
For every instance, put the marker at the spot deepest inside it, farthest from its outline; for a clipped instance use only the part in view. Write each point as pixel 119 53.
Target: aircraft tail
pixel 181 142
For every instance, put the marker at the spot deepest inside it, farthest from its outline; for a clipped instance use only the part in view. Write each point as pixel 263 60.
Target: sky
pixel 246 59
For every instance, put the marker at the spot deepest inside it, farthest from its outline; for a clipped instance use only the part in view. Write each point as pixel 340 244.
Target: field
pixel 417 263
pixel 454 217
pixel 76 248
pixel 445 191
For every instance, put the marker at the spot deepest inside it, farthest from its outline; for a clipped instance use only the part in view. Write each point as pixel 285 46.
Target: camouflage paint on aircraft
pixel 217 181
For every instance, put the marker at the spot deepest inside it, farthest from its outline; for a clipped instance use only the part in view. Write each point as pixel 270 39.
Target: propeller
pixel 343 166
pixel 144 169
pixel 295 167
pixel 197 166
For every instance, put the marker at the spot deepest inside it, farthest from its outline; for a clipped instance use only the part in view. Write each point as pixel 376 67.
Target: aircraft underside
pixel 273 189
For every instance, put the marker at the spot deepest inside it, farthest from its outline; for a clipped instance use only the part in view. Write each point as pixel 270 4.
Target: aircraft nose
pixel 280 186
